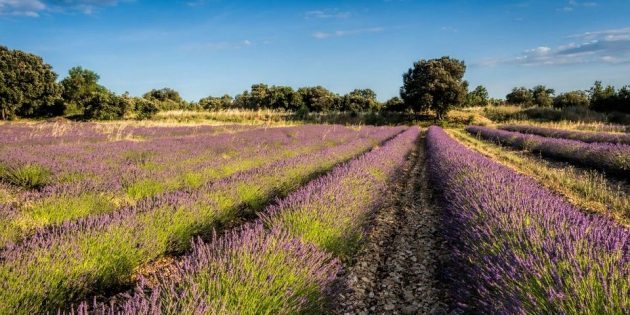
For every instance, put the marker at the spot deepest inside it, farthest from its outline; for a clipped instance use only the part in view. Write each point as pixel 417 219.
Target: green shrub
pixel 28 176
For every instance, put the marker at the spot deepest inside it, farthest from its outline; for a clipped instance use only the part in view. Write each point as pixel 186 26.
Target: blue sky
pixel 214 47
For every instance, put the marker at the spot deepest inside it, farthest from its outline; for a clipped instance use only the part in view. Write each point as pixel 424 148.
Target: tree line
pixel 598 98
pixel 29 88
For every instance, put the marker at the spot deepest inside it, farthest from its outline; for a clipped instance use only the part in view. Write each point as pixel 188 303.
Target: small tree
pixel 394 104
pixel 520 96
pixel 542 96
pixel 78 89
pixel 106 106
pixel 435 84
pixel 166 98
pixel 145 109
pixel 360 101
pixel 216 103
pixel 571 99
pixel 477 97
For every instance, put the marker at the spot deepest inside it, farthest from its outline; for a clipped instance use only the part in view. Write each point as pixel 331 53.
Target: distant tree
pixel 79 87
pixel 216 103
pixel 144 108
pixel 281 97
pixel 360 100
pixel 106 106
pixel 602 98
pixel 542 96
pixel 520 96
pixel 318 99
pixel 28 86
pixel 623 100
pixel 394 104
pixel 166 98
pixel 571 99
pixel 434 84
pixel 477 97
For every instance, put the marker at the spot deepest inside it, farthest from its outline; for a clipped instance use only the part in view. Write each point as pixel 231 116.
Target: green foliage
pixel 435 84
pixel 477 97
pixel 79 87
pixel 166 99
pixel 144 108
pixel 106 106
pixel 520 96
pixel 394 104
pixel 28 86
pixel 571 99
pixel 607 99
pixel 360 100
pixel 216 103
pixel 28 176
pixel 542 96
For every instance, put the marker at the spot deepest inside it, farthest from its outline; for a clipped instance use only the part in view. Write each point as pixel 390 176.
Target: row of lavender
pixel 609 157
pixel 287 261
pixel 520 249
pixel 589 137
pixel 19 134
pixel 101 253
pixel 90 179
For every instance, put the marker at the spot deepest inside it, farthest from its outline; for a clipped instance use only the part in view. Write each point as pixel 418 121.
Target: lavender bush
pixel 100 253
pixel 103 177
pixel 583 136
pixel 520 249
pixel 609 157
pixel 287 268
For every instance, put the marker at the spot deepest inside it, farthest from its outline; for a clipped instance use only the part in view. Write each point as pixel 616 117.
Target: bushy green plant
pixel 28 176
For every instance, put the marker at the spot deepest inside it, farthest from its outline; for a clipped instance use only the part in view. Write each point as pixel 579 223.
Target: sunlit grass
pixel 586 189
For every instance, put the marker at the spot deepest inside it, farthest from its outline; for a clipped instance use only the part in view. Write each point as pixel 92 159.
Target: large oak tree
pixel 434 84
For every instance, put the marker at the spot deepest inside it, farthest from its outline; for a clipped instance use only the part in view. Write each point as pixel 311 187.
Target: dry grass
pixel 588 190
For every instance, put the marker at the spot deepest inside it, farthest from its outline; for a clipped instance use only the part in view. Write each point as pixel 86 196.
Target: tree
pixel 166 98
pixel 280 97
pixel 571 99
pixel 542 96
pixel 394 104
pixel 216 103
pixel 318 99
pixel 106 106
pixel 434 84
pixel 477 97
pixel 144 108
pixel 520 96
pixel 360 100
pixel 78 89
pixel 602 98
pixel 28 86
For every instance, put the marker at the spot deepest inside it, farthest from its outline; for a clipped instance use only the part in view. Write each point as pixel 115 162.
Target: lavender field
pixel 234 219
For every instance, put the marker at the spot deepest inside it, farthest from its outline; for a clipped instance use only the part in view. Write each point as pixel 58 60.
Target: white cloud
pixel 608 46
pixel 21 7
pixel 343 33
pixel 327 14
pixel 573 4
pixel 34 8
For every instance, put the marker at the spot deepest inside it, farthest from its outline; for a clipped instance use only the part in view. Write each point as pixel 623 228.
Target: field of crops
pixel 136 219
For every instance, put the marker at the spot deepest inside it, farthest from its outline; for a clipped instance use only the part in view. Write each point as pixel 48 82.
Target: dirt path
pixel 397 271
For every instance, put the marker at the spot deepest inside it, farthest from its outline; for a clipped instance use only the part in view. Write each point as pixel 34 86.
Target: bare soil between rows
pixel 399 269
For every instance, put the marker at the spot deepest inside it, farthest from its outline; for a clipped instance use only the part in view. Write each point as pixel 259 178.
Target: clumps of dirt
pixel 399 267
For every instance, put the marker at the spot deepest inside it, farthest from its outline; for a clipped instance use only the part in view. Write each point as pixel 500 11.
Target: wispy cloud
pixel 30 8
pixel 34 8
pixel 343 33
pixel 609 46
pixel 327 14
pixel 574 4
